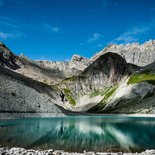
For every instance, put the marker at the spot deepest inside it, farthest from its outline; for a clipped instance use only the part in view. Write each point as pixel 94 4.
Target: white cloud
pixel 127 39
pixel 134 33
pixel 96 36
pixel 55 29
pixel 51 28
pixel 4 35
pixel 10 28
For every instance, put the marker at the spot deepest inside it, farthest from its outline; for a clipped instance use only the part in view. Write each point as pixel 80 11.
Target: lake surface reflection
pixel 78 133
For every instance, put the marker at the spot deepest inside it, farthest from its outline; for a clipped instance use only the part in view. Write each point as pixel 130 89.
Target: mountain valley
pixel 119 79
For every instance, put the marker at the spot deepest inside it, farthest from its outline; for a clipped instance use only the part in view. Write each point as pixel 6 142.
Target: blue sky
pixel 57 29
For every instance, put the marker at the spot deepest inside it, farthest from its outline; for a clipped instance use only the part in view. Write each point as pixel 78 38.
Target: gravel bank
pixel 7 116
pixel 22 151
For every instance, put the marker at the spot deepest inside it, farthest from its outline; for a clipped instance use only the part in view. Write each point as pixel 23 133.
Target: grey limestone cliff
pixel 135 53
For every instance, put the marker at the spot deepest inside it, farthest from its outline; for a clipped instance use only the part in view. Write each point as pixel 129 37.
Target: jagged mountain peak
pixel 1 44
pixel 78 58
pixel 105 58
pixel 107 70
pixel 7 57
pixel 135 53
pixel 110 65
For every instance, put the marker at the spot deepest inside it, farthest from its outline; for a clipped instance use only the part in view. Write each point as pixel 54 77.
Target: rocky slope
pixel 49 72
pixel 81 92
pixel 21 94
pixel 134 95
pixel 106 84
pixel 135 53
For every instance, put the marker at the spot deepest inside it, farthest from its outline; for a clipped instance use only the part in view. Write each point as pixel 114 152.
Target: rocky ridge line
pixel 135 53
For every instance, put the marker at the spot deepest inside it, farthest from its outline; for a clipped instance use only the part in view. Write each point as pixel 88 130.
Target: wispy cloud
pixel 51 28
pixel 4 35
pixel 9 25
pixel 12 23
pixel 9 22
pixel 95 37
pixel 10 28
pixel 133 34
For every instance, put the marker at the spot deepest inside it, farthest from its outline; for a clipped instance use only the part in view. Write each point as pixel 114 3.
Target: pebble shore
pixel 22 151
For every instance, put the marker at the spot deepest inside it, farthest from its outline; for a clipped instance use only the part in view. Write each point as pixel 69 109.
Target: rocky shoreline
pixel 22 151
pixel 10 116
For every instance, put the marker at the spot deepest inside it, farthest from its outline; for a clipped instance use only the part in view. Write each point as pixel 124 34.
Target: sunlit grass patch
pixel 141 77
pixel 69 97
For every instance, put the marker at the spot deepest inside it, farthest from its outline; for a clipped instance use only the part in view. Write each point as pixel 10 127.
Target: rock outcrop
pixel 136 98
pixel 133 95
pixel 77 58
pixel 107 71
pixel 7 58
pixel 135 53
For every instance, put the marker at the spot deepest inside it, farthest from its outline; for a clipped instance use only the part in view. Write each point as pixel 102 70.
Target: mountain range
pixel 118 79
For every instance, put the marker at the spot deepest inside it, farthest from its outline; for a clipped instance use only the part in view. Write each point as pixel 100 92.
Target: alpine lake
pixel 100 133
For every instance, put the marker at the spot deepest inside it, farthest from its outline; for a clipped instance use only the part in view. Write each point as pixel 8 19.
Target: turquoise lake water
pixel 79 133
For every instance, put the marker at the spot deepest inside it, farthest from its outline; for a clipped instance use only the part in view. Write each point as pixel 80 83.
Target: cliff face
pixel 105 83
pixel 105 72
pixel 138 54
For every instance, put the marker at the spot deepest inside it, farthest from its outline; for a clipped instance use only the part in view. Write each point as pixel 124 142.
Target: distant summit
pixel 7 58
pixel 78 58
pixel 135 53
